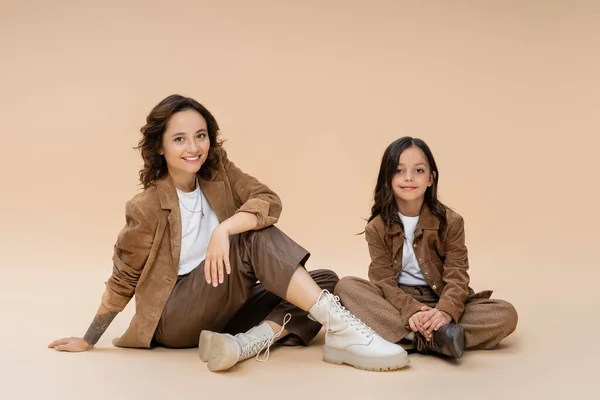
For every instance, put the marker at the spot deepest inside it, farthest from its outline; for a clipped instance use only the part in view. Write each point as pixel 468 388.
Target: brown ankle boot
pixel 449 340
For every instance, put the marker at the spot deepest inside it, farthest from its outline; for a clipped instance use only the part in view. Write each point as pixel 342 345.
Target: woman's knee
pixel 269 233
pixel 325 278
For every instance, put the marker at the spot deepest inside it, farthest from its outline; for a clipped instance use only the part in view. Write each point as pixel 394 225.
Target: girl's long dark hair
pixel 384 201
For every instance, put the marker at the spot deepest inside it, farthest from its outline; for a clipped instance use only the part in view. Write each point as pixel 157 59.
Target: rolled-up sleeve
pixel 251 195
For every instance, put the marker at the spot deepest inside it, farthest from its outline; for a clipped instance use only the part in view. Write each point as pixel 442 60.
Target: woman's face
pixel 185 142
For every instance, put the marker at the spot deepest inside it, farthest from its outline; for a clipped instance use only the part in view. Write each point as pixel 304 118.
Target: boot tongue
pixel 255 340
pixel 323 300
pixel 243 339
pixel 258 332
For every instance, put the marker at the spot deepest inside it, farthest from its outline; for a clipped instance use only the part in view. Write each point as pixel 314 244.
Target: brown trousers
pixel 485 321
pixel 240 302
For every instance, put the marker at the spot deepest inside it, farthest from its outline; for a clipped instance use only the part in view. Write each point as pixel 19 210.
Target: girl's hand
pixel 217 257
pixel 415 322
pixel 72 344
pixel 433 320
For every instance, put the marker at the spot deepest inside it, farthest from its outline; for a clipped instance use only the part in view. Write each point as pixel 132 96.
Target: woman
pixel 197 239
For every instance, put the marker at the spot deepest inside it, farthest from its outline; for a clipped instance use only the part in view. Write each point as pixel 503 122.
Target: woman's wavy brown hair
pixel 155 166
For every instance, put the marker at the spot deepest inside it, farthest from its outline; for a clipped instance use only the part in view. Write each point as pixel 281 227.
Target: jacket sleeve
pixel 131 251
pixel 455 276
pixel 251 195
pixel 383 274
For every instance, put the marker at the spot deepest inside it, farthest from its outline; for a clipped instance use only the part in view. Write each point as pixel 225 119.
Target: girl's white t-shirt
pixel 411 274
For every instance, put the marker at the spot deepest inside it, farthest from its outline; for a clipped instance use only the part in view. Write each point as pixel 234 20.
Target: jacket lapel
pixel 170 201
pixel 216 195
pixel 213 189
pixel 426 221
pixel 175 231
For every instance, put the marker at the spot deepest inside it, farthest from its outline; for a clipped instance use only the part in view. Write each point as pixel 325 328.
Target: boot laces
pixel 336 307
pixel 263 344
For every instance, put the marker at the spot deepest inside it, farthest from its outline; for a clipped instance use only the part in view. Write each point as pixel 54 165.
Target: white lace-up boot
pixel 222 351
pixel 349 341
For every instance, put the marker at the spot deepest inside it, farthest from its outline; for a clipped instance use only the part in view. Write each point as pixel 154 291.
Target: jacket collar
pixel 427 221
pixel 167 193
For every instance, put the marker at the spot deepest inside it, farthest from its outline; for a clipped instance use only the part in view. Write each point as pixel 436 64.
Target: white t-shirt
pixel 195 230
pixel 411 274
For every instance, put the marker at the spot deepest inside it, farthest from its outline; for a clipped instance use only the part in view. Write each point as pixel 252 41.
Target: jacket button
pixel 415 245
pixel 425 272
pixel 434 287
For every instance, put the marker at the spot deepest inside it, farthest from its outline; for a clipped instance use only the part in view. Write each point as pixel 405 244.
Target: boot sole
pixel 389 363
pixel 221 352
pixel 205 344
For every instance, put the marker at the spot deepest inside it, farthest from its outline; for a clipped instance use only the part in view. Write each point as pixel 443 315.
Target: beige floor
pixel 545 358
pixel 309 94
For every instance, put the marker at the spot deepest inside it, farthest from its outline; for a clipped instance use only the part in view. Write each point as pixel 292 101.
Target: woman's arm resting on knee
pixel 239 223
pixel 217 253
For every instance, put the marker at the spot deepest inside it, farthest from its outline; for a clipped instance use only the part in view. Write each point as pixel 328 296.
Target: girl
pixel 196 241
pixel 418 291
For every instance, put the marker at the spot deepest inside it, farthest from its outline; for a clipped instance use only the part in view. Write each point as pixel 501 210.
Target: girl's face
pixel 413 176
pixel 185 142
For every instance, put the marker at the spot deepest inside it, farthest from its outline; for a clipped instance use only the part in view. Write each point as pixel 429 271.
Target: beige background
pixel 309 94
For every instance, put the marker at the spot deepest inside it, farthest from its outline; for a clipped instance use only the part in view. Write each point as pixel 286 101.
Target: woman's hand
pixel 72 344
pixel 101 321
pixel 433 320
pixel 217 257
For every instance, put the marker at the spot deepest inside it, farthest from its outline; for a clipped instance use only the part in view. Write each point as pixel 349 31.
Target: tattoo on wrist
pixel 98 327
